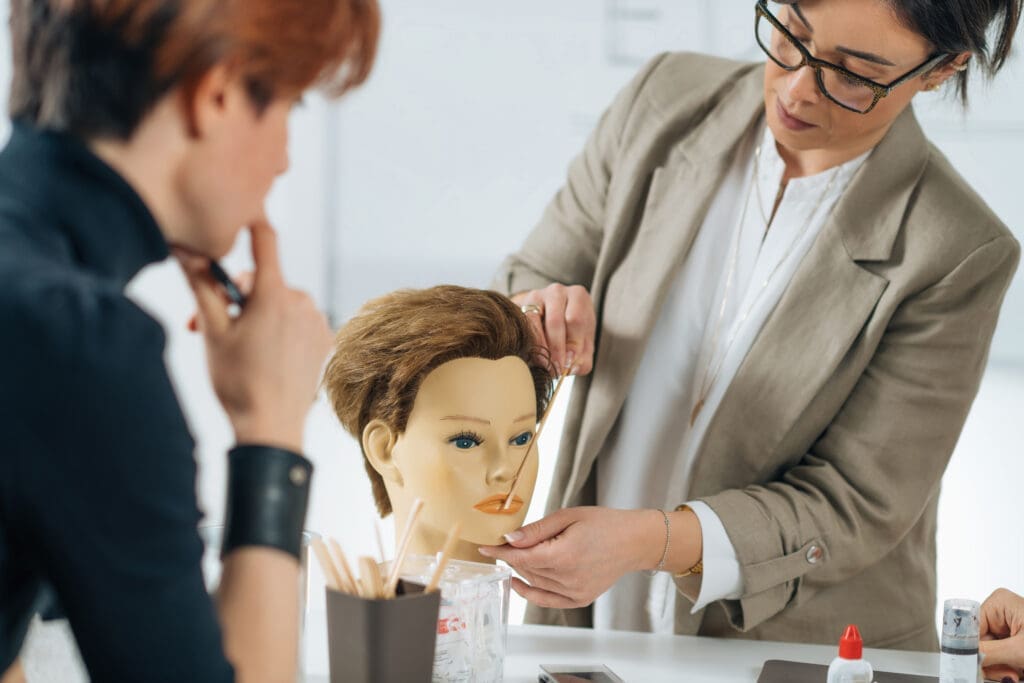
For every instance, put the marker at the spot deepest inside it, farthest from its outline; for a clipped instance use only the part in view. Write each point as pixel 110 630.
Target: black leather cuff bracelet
pixel 268 492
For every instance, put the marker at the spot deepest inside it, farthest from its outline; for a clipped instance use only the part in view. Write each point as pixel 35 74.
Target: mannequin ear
pixel 379 441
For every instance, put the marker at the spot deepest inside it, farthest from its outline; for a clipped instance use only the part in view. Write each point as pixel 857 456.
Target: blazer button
pixel 814 553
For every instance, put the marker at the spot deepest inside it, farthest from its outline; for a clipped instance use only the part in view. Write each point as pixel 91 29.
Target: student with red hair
pixel 143 129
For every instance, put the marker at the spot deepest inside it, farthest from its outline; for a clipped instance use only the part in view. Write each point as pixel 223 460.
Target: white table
pixel 634 656
pixel 645 657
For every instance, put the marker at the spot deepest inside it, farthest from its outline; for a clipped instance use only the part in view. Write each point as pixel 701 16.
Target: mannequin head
pixel 443 388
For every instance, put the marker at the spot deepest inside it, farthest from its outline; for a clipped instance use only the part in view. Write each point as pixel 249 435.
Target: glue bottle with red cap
pixel 850 666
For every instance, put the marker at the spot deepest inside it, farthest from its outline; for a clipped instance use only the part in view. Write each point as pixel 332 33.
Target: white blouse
pixel 647 459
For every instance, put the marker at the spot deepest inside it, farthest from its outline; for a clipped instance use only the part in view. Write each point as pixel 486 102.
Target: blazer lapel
pixel 819 317
pixel 680 193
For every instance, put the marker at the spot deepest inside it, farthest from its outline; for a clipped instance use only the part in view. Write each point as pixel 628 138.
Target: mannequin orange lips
pixel 495 505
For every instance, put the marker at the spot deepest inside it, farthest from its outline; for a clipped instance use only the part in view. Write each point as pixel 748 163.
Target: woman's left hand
pixel 574 555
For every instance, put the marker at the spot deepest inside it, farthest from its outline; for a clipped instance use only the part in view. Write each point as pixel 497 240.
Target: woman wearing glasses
pixel 795 294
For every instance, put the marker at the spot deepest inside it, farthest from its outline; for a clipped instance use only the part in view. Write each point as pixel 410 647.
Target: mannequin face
pixel 471 425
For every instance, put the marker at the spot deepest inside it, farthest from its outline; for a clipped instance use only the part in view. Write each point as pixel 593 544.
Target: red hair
pixel 96 67
pixel 280 47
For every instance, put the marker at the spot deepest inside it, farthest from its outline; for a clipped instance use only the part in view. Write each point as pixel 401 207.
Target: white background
pixel 442 163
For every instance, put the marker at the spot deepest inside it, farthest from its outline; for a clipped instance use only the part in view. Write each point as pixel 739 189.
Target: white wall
pixel 442 163
pixel 451 151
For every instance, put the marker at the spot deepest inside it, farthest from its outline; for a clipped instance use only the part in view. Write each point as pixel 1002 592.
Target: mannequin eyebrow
pixel 467 418
pixel 521 418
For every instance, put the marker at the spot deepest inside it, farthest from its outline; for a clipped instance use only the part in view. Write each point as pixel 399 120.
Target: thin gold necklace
pixel 708 377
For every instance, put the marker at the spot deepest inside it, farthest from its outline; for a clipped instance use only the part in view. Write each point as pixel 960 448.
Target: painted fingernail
pixel 1008 679
pixel 514 536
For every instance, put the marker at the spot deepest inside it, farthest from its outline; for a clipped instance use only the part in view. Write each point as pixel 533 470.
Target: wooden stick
pixel 403 547
pixel 380 541
pixel 536 437
pixel 348 579
pixel 442 560
pixel 327 564
pixel 369 570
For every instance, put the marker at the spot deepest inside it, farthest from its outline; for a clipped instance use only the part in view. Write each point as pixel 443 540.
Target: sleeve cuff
pixel 721 578
pixel 267 499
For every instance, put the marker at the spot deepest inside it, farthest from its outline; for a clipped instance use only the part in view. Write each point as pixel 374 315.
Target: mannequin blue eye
pixel 466 441
pixel 522 439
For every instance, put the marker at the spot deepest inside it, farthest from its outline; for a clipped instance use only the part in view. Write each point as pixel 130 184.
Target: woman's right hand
pixel 1002 636
pixel 565 324
pixel 265 364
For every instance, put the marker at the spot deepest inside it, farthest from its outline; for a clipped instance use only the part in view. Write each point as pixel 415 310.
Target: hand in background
pixel 565 326
pixel 1002 635
pixel 265 363
pixel 15 674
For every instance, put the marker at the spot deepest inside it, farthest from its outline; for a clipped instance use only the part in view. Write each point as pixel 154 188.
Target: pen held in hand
pixel 221 276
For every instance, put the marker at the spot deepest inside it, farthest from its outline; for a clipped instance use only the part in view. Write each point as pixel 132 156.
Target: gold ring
pixel 532 308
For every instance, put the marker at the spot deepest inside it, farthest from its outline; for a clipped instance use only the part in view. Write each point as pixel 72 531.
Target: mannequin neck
pixel 431 541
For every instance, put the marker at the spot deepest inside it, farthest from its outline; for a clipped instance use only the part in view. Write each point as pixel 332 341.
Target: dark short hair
pixel 95 68
pixel 954 26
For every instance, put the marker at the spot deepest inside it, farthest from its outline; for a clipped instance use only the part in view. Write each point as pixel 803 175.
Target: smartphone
pixel 578 674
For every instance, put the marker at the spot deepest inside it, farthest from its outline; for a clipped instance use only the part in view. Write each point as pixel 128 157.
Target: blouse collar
pixel 109 227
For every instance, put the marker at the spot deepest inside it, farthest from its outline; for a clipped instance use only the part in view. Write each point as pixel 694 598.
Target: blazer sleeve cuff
pixel 771 562
pixel 721 578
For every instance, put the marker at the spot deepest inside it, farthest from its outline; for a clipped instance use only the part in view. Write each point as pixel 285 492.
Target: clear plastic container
pixel 473 623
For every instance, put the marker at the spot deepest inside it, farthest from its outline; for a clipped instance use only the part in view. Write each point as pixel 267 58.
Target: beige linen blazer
pixel 825 456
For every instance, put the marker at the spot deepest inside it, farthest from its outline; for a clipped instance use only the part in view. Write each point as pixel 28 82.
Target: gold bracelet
pixel 698 568
pixel 664 553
